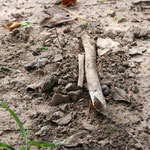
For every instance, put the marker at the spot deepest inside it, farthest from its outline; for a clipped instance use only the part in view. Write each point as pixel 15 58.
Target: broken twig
pixel 81 70
pixel 94 86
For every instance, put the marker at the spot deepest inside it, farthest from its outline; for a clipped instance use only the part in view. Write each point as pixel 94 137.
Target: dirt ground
pixel 124 66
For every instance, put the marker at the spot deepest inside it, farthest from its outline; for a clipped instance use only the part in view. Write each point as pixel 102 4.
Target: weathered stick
pixel 81 70
pixel 94 86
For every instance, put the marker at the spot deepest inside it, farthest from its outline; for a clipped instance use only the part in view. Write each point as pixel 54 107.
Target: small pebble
pixel 135 89
pixel 105 90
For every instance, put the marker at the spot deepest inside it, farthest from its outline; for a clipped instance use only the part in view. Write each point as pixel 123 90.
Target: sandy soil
pixel 125 67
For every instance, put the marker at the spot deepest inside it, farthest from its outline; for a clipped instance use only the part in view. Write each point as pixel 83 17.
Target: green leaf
pixel 84 26
pixel 6 146
pixel 27 133
pixel 24 148
pixel 44 143
pixel 17 120
pixel 105 127
pixel 112 130
pixel 25 23
pixel 42 48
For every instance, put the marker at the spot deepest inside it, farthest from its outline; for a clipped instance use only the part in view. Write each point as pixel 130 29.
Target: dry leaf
pixel 44 85
pixel 52 11
pixel 67 3
pixel 56 17
pixel 105 0
pixel 141 3
pixel 12 25
pixel 120 95
pixel 15 24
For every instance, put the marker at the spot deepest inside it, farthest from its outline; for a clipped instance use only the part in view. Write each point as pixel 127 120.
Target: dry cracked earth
pixel 40 85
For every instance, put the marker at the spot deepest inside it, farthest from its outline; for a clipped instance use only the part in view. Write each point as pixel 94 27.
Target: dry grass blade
pixel 73 13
